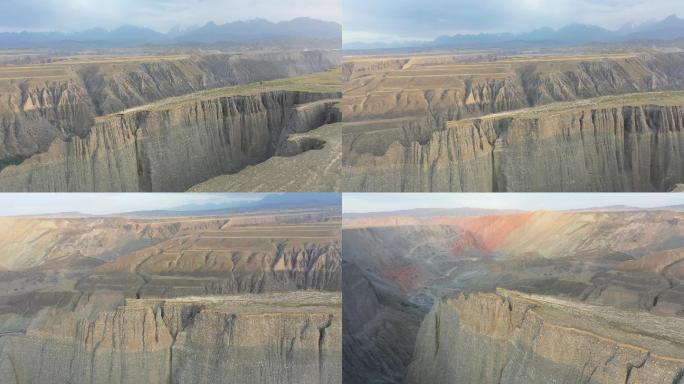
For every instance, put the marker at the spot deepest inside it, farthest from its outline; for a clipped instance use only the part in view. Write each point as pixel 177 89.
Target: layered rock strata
pixel 62 99
pixel 171 148
pixel 620 262
pixel 411 86
pixel 513 338
pixel 409 124
pixel 636 147
pixel 88 263
pixel 278 338
pixel 306 159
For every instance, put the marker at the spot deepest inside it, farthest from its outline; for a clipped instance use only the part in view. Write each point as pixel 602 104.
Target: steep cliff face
pixel 380 328
pixel 169 148
pixel 620 148
pixel 304 161
pixel 247 297
pixel 115 88
pixel 384 271
pixel 382 88
pixel 287 338
pixel 405 123
pixel 62 99
pixel 196 266
pixel 511 338
pixel 34 115
pixel 613 265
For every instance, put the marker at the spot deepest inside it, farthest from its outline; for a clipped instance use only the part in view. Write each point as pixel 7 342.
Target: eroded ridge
pixel 176 143
pixel 252 339
pixel 489 296
pixel 61 97
pixel 172 297
pixel 530 338
pixel 485 122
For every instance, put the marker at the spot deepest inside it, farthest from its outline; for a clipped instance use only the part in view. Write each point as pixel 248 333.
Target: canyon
pixel 513 296
pixel 491 122
pixel 163 122
pixel 182 297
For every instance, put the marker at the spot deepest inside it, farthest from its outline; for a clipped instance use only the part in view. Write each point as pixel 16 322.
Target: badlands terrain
pixel 170 120
pixel 249 297
pixel 476 296
pixel 493 121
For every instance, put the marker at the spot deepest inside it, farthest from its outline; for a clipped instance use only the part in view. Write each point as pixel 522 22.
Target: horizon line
pixel 415 40
pixel 617 207
pixel 186 28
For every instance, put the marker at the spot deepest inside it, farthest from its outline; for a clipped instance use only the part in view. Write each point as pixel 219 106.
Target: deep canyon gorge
pixel 478 122
pixel 482 296
pixel 166 123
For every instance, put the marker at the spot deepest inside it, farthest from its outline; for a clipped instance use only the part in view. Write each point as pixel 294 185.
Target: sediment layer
pixel 277 338
pixel 631 147
pixel 513 338
pixel 250 296
pixel 171 147
pixel 622 262
pixel 61 99
pixel 438 123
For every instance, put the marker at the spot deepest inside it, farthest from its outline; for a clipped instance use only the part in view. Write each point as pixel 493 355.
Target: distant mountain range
pixel 270 202
pixel 475 212
pixel 252 31
pixel 619 208
pixel 434 212
pixel 670 28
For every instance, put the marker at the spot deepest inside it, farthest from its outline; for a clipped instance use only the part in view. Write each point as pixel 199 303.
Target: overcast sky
pixel 161 15
pixel 397 20
pixel 384 202
pixel 13 204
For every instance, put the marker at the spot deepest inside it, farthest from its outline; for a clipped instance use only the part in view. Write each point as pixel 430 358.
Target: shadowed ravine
pixel 529 297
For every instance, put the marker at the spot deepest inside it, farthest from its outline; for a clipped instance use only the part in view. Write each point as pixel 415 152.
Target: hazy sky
pixel 106 203
pixel 396 20
pixel 77 15
pixel 382 202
